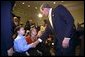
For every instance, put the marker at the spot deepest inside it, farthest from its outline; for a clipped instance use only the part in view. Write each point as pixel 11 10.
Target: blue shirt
pixel 20 44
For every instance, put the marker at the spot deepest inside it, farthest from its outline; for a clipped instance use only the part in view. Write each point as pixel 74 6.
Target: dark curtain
pixel 6 26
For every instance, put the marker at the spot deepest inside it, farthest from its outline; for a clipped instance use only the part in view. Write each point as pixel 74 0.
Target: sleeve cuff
pixel 68 38
pixel 39 40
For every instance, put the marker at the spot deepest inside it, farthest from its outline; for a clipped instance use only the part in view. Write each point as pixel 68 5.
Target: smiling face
pixel 44 11
pixel 33 32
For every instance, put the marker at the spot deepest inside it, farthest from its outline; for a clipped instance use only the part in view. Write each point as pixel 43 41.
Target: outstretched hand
pixel 65 42
pixel 34 44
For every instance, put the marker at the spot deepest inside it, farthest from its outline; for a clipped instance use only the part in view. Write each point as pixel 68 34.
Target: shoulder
pixel 58 7
pixel 18 39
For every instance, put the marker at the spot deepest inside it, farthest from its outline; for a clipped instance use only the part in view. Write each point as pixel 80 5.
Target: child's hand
pixel 33 45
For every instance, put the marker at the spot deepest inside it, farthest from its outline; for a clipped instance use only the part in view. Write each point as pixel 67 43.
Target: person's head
pixel 44 9
pixel 33 31
pixel 19 30
pixel 16 20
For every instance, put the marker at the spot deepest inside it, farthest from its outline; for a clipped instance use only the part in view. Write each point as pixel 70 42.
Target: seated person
pixel 50 44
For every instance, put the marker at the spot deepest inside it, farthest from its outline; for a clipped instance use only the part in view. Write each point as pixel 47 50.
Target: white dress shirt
pixel 50 17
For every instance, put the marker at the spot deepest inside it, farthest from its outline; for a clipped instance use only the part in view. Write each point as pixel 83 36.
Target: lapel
pixel 52 15
pixel 49 25
pixel 52 28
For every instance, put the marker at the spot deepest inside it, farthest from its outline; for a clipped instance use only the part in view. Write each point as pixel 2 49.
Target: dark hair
pixel 17 29
pixel 45 5
pixel 35 27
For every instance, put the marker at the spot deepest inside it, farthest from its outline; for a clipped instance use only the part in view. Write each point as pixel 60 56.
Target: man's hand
pixel 39 34
pixel 34 44
pixel 65 42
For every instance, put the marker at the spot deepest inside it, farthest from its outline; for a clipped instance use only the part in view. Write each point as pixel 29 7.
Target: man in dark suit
pixel 61 24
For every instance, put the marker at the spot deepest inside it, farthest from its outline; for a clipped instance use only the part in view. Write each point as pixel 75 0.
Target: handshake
pixel 34 44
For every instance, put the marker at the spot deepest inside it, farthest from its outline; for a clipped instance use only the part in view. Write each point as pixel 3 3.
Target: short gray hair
pixel 45 5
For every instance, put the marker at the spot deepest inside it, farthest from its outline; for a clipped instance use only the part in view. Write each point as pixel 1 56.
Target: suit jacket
pixel 63 23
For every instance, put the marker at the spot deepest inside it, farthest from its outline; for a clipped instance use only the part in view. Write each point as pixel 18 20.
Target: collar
pixel 19 37
pixel 50 11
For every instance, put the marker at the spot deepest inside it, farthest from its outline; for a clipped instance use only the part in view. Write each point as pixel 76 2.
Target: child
pixel 32 36
pixel 20 44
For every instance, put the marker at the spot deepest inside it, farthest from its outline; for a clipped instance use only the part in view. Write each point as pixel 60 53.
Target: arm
pixel 69 24
pixel 23 46
pixel 44 36
pixel 68 19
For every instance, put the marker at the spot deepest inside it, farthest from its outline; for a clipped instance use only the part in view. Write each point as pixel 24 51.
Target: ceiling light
pixel 35 7
pixel 54 2
pixel 62 1
pixel 28 5
pixel 23 3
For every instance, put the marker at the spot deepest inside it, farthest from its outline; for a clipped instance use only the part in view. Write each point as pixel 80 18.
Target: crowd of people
pixel 32 32
pixel 24 36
